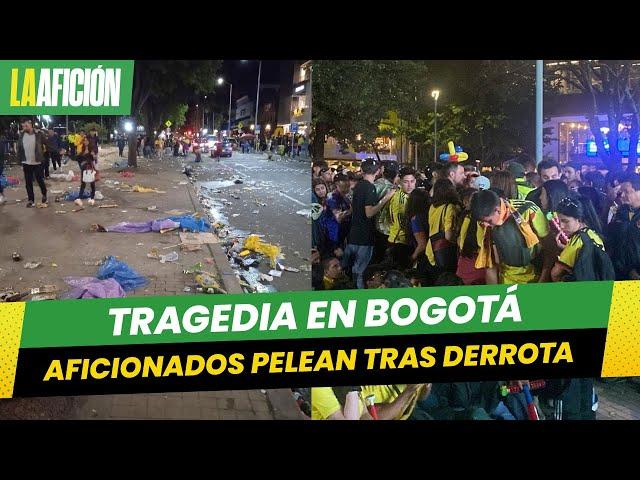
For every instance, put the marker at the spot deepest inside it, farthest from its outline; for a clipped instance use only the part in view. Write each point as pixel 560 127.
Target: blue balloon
pixel 444 157
pixel 458 149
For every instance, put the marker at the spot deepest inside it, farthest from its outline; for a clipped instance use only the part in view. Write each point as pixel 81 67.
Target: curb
pixel 230 281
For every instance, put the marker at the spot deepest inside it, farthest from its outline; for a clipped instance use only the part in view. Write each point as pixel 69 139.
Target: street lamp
pixel 435 94
pixel 204 131
pixel 220 82
pixel 128 126
pixel 252 127
pixel 268 127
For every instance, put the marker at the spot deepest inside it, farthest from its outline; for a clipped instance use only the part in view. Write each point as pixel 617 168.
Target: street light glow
pixel 204 131
pixel 128 126
pixel 435 94
pixel 115 131
pixel 252 126
pixel 220 80
pixel 268 127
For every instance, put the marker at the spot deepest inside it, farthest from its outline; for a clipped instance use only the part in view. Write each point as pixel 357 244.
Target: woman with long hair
pixel 580 229
pixel 443 214
pixel 552 193
pixel 468 245
pixel 417 226
pixel 505 184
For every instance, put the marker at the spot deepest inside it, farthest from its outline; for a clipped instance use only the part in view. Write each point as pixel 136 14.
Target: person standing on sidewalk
pixel 53 147
pixel 31 156
pixel 120 145
pixel 365 205
pixel 93 144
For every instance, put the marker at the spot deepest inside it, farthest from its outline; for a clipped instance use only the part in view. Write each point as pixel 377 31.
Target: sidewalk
pixel 64 242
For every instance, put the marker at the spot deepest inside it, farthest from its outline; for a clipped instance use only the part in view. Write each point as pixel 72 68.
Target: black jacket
pixel 39 151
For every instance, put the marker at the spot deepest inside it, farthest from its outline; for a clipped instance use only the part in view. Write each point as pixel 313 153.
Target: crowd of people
pixel 40 151
pixel 388 226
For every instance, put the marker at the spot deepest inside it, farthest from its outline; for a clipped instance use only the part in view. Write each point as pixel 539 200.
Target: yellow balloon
pixel 462 156
pixel 452 148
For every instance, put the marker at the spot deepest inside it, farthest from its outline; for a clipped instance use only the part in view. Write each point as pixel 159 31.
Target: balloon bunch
pixel 455 154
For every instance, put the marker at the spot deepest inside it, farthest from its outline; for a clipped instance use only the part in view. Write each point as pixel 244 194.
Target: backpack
pixel 592 264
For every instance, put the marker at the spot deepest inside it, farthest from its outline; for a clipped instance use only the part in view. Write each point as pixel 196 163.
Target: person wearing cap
pixel 480 183
pixel 519 174
pixel 364 207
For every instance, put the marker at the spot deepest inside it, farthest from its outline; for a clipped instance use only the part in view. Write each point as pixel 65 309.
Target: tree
pixel 613 88
pixel 161 88
pixel 351 97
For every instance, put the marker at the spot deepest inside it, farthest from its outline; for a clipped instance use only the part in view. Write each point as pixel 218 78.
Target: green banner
pixel 295 315
pixel 66 87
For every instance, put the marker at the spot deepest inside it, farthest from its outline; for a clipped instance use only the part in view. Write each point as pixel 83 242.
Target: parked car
pixel 227 150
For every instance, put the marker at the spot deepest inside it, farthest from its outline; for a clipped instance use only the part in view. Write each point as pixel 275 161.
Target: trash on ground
pixel 44 289
pixel 90 287
pixel 55 265
pixel 190 247
pixel 288 269
pixel 126 174
pixel 11 296
pixel 197 268
pixel 98 195
pixel 244 253
pixel 61 211
pixel 154 253
pixel 209 260
pixel 207 281
pixel 141 189
pixel 253 242
pixel 78 209
pixel 235 215
pixel 190 238
pixel 255 212
pixel 152 208
pixel 186 289
pixel 112 205
pixel 93 263
pixel 139 244
pixel 122 273
pixel 16 256
pixel 32 265
pixel 266 278
pixel 170 257
pixel 275 273
pixel 305 268
pixel 44 296
pixel 304 213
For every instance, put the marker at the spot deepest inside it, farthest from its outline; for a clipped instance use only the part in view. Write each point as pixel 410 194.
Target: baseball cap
pixel 481 182
pixel 516 168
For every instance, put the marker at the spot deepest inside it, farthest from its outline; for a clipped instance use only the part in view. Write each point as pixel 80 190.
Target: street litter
pixel 54 265
pixel 32 265
pixel 190 247
pixel 209 260
pixel 141 189
pixel 11 296
pixel 78 209
pixel 237 181
pixel 44 296
pixel 255 212
pixel 189 238
pixel 154 253
pixel 123 211
pixel 183 183
pixel 8 181
pixel 244 253
pixel 139 244
pixel 90 287
pixel 152 208
pixel 288 269
pixel 16 256
pixel 56 192
pixel 186 289
pixel 235 215
pixel 42 205
pixel 68 177
pixel 208 283
pixel 170 257
pixel 305 268
pixel 44 289
pixel 108 206
pixel 98 195
pixel 275 273
pixel 304 213
pixel 197 268
pixel 253 242
pixel 72 196
pixel 266 278
pixel 122 273
pixel 127 174
pixel 94 263
pixel 61 211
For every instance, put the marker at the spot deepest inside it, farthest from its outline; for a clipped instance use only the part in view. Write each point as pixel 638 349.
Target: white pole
pixel 230 91
pixel 257 103
pixel 539 109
